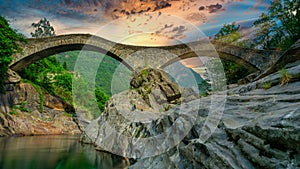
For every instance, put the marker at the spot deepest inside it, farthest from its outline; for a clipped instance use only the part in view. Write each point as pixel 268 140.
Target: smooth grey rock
pixel 259 128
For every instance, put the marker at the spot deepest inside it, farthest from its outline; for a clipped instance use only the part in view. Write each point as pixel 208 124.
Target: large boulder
pixel 156 81
pixel 24 110
pixel 148 109
pixel 259 127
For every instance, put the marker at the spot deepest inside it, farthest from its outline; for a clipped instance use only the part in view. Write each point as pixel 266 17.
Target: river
pixel 53 152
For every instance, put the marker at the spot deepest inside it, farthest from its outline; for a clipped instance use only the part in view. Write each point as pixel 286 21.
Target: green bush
pixel 9 39
pixel 101 98
pixel 285 77
pixel 267 85
pixel 21 107
pixel 227 29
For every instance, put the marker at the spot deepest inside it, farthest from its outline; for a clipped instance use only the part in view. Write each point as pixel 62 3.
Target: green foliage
pixel 23 108
pixel 230 38
pixel 227 29
pixel 9 39
pixel 69 58
pixel 42 29
pixel 285 76
pixel 101 98
pixel 234 39
pixel 83 95
pixel 67 114
pixel 20 107
pixel 62 85
pixel 51 76
pixel 279 27
pixel 148 89
pixel 267 85
pixel 234 72
pixel 65 65
pixel 13 112
pixel 229 34
pixel 145 72
pixel 41 94
pixel 204 88
pixel 105 72
pixel 63 79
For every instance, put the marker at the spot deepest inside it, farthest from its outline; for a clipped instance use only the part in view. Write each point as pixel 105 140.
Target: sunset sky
pixel 143 22
pixel 135 22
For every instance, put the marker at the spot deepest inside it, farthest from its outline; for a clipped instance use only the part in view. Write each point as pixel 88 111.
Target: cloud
pixel 90 15
pixel 214 8
pixel 192 62
pixel 171 31
pixel 197 16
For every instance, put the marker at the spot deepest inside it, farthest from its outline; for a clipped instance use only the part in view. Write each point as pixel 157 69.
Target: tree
pixel 279 27
pixel 227 29
pixel 229 34
pixel 8 46
pixel 43 29
pixel 101 98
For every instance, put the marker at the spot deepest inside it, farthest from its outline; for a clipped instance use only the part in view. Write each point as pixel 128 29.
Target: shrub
pixel 267 85
pixel 8 46
pixel 285 76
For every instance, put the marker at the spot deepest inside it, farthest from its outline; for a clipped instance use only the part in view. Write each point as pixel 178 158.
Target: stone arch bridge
pixel 139 56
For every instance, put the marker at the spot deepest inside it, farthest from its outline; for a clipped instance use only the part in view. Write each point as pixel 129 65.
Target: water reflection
pixel 53 152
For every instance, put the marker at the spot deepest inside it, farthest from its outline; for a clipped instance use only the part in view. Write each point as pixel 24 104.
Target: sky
pixel 135 22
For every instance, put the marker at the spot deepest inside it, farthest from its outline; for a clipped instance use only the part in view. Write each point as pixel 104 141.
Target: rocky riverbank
pixel 27 110
pixel 259 127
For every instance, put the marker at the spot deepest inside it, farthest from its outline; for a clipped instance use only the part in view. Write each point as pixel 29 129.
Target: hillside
pixel 110 67
pixel 105 71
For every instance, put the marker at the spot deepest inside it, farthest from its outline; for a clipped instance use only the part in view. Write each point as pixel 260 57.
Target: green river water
pixel 53 152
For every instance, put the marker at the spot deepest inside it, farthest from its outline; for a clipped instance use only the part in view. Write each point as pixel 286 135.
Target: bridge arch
pixel 26 61
pixel 35 50
pixel 222 56
pixel 39 48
